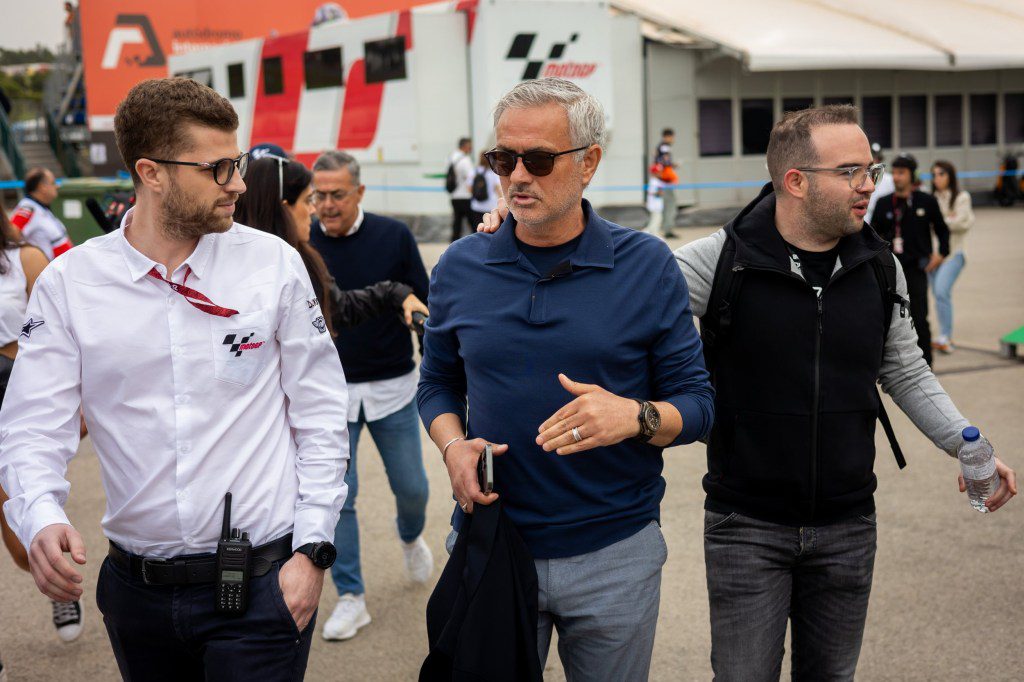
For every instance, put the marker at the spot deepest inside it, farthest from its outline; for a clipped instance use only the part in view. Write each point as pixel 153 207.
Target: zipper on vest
pixel 818 329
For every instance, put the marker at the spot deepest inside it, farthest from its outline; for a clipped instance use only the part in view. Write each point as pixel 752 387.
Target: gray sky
pixel 27 22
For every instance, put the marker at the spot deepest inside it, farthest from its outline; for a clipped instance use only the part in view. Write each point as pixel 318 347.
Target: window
pixel 385 59
pixel 949 120
pixel 757 118
pixel 715 127
pixel 204 76
pixel 877 116
pixel 273 76
pixel 323 69
pixel 836 100
pixel 236 81
pixel 1013 122
pixel 797 103
pixel 983 119
pixel 914 121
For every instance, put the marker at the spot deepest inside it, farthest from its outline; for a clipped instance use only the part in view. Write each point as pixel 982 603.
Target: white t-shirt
pixel 13 299
pixel 493 190
pixel 463 175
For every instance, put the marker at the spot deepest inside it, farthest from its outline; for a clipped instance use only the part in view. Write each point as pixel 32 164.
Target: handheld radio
pixel 234 559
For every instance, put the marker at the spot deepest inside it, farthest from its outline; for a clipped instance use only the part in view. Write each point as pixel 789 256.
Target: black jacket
pixel 482 616
pixel 795 396
pixel 351 307
pixel 924 217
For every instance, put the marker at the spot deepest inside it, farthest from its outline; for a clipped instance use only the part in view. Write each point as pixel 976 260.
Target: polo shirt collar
pixel 595 248
pixel 139 264
pixel 355 226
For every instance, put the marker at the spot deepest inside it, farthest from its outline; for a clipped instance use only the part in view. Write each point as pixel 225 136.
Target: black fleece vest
pixel 796 403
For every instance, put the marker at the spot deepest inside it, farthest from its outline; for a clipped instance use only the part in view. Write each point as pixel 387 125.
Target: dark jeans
pixel 762 574
pixel 461 211
pixel 173 633
pixel 917 289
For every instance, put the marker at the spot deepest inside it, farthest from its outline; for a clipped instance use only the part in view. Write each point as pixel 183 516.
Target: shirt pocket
pixel 240 346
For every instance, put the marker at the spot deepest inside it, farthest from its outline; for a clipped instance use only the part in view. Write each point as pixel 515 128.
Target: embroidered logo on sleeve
pixel 320 324
pixel 26 329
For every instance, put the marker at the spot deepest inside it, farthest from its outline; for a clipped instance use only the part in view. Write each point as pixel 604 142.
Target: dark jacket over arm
pixel 355 306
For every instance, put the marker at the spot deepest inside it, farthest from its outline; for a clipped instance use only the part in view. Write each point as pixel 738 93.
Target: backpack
pixel 481 192
pixel 725 287
pixel 451 181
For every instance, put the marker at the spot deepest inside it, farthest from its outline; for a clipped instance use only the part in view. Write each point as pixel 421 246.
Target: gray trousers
pixel 668 211
pixel 761 575
pixel 604 605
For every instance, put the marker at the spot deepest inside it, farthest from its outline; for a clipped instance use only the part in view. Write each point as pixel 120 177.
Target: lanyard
pixel 191 295
pixel 897 214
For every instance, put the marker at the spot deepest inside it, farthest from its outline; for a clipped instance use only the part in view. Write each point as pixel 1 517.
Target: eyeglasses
pixel 536 163
pixel 858 175
pixel 223 169
pixel 337 196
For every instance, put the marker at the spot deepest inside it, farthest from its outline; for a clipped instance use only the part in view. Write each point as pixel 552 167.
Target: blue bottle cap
pixel 971 434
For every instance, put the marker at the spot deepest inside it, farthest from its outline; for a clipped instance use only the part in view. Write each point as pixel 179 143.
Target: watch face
pixel 652 419
pixel 324 555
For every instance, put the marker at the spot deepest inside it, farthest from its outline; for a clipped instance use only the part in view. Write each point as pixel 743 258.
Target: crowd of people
pixel 279 313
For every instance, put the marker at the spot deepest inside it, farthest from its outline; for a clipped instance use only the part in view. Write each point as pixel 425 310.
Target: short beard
pixel 827 218
pixel 184 220
pixel 557 211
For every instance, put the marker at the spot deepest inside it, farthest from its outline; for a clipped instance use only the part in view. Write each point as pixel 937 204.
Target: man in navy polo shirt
pixel 572 340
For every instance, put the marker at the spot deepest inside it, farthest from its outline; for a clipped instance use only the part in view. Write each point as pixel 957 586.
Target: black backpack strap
pixel 717 320
pixel 885 273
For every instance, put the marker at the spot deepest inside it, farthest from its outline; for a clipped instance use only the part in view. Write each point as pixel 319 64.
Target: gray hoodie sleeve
pixel 698 260
pixel 907 378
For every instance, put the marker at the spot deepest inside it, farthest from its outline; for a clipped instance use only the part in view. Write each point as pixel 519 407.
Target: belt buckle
pixel 145 576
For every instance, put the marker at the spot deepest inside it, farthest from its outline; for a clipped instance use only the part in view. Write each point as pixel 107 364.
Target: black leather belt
pixel 197 569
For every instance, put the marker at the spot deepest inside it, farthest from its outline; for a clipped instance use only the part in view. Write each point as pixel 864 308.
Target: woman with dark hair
pixel 958 213
pixel 20 265
pixel 278 200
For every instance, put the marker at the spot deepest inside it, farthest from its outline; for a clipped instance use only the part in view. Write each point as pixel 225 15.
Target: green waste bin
pixel 71 209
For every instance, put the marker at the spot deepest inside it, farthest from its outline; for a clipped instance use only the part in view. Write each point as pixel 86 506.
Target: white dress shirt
pixel 182 406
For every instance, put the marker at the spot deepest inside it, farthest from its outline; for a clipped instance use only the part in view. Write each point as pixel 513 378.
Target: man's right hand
pixel 493 220
pixel 54 575
pixel 461 460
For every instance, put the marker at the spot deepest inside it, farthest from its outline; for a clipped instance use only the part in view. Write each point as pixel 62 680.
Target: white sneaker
pixel 349 615
pixel 419 562
pixel 67 618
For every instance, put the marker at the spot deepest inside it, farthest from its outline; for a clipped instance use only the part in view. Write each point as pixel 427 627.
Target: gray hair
pixel 335 159
pixel 586 115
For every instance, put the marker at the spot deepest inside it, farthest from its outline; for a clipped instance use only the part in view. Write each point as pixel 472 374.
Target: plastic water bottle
pixel 978 463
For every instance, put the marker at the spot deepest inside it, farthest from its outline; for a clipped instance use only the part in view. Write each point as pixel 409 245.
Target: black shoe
pixel 67 618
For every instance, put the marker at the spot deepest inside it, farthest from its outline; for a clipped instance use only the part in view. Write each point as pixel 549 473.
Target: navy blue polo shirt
pixel 499 334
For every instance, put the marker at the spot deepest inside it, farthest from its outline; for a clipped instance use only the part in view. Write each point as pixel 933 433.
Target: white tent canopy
pixel 789 35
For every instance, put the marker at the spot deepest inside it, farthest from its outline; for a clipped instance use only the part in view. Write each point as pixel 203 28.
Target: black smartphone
pixel 485 470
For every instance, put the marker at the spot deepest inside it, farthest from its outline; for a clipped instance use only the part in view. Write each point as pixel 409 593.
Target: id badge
pixel 897 245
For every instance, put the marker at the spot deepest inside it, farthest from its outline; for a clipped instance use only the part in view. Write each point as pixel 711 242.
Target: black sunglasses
pixel 536 163
pixel 223 169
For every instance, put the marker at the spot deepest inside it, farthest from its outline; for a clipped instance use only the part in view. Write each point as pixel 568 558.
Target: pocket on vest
pixel 770 454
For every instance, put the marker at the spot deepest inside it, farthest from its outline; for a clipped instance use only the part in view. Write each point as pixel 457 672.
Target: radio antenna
pixel 225 533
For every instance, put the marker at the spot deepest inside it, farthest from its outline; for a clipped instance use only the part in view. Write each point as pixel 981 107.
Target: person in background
pixel 668 178
pixel 361 248
pixel 908 218
pixel 34 218
pixel 958 213
pixel 20 265
pixel 884 185
pixel 459 186
pixel 280 201
pixel 486 189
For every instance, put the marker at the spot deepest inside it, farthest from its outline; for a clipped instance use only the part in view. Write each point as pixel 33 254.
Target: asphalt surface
pixel 949 582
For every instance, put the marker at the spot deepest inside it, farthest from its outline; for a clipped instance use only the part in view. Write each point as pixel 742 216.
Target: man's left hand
pixel 933 262
pixel 602 419
pixel 301 583
pixel 1007 486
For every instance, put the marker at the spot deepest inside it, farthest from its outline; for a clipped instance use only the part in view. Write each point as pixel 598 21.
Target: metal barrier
pixel 10 149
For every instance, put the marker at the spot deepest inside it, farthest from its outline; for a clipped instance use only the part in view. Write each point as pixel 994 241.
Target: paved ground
pixel 949 583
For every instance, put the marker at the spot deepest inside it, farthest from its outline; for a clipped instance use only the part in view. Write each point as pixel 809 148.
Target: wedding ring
pixel 576 434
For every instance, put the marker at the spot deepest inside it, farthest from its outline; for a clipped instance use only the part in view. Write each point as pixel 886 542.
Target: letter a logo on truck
pixel 132 29
pixel 551 65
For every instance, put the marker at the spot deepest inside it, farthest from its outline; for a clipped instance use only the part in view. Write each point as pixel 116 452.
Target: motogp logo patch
pixel 241 346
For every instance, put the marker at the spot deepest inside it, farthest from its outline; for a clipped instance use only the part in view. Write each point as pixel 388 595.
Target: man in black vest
pixel 789 529
pixel 907 218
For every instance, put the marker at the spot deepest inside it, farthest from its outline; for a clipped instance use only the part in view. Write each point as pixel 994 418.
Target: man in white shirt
pixel 195 348
pixel 460 167
pixel 33 216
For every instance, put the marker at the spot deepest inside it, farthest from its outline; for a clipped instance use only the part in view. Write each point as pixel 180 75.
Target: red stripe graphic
pixel 275 117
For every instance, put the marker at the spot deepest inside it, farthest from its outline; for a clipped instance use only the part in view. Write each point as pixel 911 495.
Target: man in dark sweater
pixel 573 343
pixel 361 249
pixel 907 218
